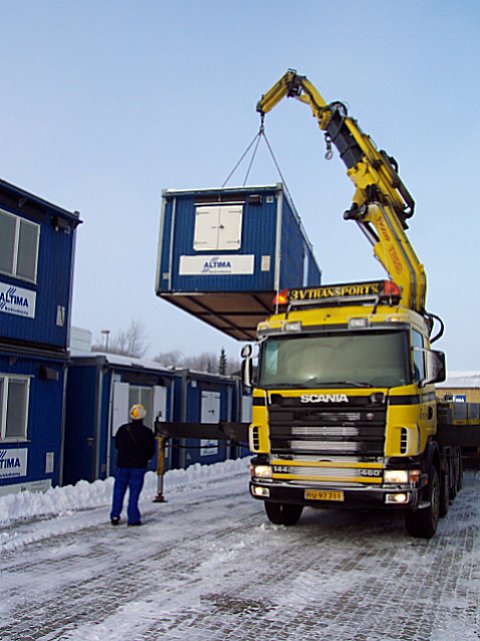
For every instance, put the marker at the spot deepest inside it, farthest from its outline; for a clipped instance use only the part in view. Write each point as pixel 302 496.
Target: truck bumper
pixel 397 497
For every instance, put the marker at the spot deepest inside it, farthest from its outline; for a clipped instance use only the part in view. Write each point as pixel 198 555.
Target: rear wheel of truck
pixel 423 523
pixel 283 513
pixel 445 493
pixel 460 470
pixel 456 474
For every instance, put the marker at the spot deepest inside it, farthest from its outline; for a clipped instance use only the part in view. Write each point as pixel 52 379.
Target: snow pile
pixel 57 501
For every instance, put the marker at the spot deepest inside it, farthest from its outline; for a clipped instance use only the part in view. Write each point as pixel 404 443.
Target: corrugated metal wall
pixel 44 418
pixel 52 290
pixel 260 233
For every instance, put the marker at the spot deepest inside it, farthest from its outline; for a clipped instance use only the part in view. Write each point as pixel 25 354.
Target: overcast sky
pixel 104 104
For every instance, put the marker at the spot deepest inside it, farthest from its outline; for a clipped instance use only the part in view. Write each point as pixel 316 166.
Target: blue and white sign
pixel 459 398
pixel 13 463
pixel 16 300
pixel 208 447
pixel 212 265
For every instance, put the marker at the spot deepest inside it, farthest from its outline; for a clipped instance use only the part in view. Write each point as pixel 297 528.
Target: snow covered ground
pixel 207 566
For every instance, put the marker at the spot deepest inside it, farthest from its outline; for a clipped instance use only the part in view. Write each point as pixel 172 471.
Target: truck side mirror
pixel 436 367
pixel 247 366
pixel 440 366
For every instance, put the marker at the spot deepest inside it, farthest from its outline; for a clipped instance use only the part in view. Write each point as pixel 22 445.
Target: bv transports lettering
pixel 324 398
pixel 336 291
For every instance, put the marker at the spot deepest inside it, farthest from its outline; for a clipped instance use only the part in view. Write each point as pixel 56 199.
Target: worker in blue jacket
pixel 135 445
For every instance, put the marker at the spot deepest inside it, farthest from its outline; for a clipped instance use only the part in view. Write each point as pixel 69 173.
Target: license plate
pixel 324 495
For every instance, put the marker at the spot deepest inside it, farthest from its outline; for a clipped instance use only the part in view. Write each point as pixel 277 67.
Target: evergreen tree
pixel 222 363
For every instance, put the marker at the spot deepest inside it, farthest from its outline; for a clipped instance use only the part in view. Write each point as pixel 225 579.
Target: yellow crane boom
pixel 381 202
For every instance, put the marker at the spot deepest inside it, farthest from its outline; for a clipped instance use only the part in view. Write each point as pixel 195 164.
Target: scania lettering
pixel 344 404
pixel 324 398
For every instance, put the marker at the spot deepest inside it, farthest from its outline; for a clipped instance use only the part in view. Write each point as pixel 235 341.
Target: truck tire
pixel 423 523
pixel 445 493
pixel 283 513
pixel 456 474
pixel 460 470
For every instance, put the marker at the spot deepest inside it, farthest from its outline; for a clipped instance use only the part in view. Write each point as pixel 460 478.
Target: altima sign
pixel 13 462
pixel 18 301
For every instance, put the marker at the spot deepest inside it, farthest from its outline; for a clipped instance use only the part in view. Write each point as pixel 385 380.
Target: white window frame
pixel 18 221
pixel 5 379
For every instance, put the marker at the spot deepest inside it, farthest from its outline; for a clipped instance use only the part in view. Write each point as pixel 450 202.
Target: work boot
pixel 115 520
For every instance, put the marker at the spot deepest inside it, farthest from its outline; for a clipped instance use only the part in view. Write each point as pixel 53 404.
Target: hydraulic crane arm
pixel 381 202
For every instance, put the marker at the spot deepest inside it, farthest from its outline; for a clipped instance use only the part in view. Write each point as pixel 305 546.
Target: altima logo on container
pixel 215 264
pixel 14 300
pixel 13 462
pixel 6 463
pixel 324 398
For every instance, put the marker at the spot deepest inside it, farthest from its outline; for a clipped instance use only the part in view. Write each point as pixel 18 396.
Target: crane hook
pixel 328 143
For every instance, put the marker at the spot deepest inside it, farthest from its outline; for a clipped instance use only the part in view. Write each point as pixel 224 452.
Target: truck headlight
pixel 262 471
pixel 399 498
pixel 399 477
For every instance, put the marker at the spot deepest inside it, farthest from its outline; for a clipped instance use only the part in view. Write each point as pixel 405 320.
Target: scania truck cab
pixel 344 409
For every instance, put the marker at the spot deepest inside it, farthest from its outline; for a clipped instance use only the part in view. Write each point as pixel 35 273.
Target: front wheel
pixel 283 513
pixel 423 523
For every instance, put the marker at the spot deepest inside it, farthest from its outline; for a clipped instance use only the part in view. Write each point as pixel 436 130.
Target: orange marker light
pixel 281 298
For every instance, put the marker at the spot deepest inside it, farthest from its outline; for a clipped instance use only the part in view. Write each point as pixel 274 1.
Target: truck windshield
pixel 361 359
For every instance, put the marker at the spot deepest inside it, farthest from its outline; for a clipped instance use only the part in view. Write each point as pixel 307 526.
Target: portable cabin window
pixel 14 393
pixel 218 227
pixel 18 246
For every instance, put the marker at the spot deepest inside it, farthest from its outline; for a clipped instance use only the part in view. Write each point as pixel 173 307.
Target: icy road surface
pixel 207 566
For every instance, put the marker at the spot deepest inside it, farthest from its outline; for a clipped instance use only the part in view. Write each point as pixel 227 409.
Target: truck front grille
pixel 332 430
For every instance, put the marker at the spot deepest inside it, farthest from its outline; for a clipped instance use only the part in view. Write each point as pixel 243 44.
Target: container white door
pixel 218 227
pixel 210 413
pixel 206 229
pixel 120 406
pixel 159 403
pixel 230 227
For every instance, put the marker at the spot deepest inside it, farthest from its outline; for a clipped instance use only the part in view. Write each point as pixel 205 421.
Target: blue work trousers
pixel 131 478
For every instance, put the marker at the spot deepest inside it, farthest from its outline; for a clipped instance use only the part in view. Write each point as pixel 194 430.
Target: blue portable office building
pixel 101 388
pixel 37 241
pixel 202 397
pixel 224 253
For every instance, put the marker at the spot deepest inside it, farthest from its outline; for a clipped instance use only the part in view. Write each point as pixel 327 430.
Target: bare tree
pixel 234 367
pixel 170 359
pixel 204 362
pixel 129 342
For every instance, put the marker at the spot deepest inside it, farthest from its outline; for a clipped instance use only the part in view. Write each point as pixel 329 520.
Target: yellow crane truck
pixel 344 406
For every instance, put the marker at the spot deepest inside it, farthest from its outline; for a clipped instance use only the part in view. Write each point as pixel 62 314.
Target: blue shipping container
pixel 37 241
pixel 204 398
pixel 100 390
pixel 224 253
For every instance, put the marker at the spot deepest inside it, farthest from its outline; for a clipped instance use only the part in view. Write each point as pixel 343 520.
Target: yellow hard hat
pixel 137 412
